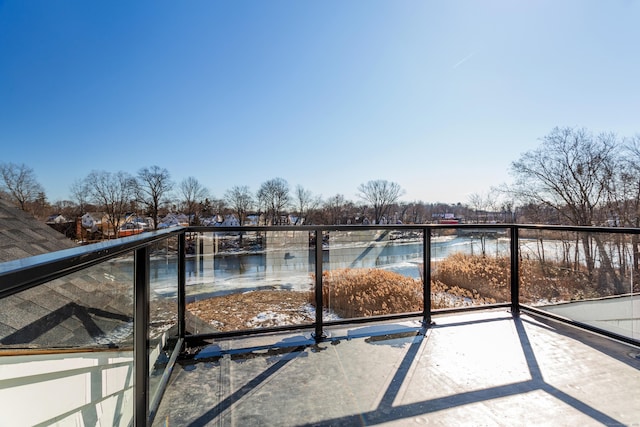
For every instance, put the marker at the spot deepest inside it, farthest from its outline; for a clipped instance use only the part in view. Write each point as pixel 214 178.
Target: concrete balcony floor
pixel 485 368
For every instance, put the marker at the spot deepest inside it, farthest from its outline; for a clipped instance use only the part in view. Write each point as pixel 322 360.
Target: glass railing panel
pixel 584 276
pixel 372 272
pixel 470 267
pixel 67 345
pixel 248 280
pixel 163 309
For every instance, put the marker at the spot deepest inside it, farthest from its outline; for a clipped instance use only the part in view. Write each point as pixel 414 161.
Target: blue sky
pixel 438 96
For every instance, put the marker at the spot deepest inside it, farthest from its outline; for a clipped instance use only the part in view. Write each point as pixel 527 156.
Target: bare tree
pixel 478 204
pixel 484 205
pixel 192 193
pixel 66 208
pixel 218 206
pixel 240 200
pixel 571 173
pixel 505 203
pixel 81 194
pixel 304 201
pixel 381 194
pixel 206 208
pixel 153 184
pixel 20 182
pixel 413 212
pixel 40 207
pixel 625 198
pixel 273 195
pixel 334 208
pixel 114 193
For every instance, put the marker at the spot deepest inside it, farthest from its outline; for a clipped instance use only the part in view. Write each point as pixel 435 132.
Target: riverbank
pixel 256 309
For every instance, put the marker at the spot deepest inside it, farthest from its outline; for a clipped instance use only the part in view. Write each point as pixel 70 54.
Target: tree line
pixel 574 177
pixel 152 192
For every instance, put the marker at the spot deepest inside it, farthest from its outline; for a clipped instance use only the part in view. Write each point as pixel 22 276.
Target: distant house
pixel 56 219
pixel 228 221
pixel 173 220
pixel 449 221
pixel 208 221
pixel 138 221
pixel 97 225
pixel 92 221
pixel 295 220
pixel 62 225
pixel 252 220
pixel 446 218
pixel 133 224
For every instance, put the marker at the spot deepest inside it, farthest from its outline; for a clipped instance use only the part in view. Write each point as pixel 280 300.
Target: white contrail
pixel 463 60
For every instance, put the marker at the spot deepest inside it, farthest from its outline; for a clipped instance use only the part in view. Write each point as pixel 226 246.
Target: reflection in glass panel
pixel 470 267
pixel 248 280
pixel 372 272
pixel 583 276
pixel 163 308
pixel 79 331
pixel 90 308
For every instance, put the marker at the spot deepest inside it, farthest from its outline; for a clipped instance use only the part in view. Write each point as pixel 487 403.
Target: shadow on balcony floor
pixel 484 368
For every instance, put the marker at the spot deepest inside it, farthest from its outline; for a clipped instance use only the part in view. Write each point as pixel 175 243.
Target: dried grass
pixel 350 293
pixel 489 278
pixel 369 292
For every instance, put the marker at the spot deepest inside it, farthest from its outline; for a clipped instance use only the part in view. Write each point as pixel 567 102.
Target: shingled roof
pixel 92 309
pixel 21 235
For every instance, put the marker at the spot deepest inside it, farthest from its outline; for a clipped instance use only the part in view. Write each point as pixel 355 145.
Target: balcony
pixel 153 329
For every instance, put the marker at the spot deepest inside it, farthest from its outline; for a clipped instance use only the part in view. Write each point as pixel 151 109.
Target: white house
pixel 174 220
pixel 93 221
pixel 56 219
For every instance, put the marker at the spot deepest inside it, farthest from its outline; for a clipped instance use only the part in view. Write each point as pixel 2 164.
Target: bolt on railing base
pixel 427 323
pixel 320 337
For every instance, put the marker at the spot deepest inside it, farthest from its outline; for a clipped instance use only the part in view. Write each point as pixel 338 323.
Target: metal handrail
pixel 25 273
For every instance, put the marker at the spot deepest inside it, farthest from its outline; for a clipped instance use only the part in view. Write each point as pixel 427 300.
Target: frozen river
pixel 292 268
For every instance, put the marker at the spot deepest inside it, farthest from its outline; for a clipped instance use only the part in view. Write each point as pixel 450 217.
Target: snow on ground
pixel 283 317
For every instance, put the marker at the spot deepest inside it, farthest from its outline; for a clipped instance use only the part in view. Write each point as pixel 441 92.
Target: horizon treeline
pixel 574 177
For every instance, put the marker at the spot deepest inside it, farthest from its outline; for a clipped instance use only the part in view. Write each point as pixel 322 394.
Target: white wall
pixel 72 389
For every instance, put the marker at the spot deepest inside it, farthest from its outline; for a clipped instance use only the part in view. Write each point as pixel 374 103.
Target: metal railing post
pixel 140 337
pixel 182 260
pixel 515 270
pixel 426 276
pixel 319 333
